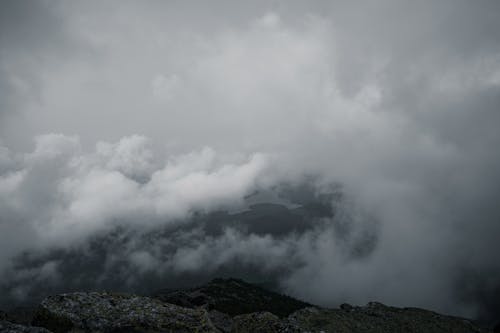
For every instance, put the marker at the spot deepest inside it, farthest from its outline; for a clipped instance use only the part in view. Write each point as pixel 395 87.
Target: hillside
pixel 222 305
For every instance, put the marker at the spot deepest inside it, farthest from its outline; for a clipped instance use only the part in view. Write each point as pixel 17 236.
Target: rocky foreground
pixel 220 306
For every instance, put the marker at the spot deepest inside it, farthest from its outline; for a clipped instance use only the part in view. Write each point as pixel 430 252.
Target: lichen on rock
pixel 378 318
pixel 107 312
pixel 264 322
pixel 8 327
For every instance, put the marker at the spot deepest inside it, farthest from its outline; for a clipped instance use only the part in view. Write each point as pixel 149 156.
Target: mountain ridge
pixel 220 306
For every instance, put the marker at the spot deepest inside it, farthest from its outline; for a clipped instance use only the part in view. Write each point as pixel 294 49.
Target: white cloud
pixel 84 193
pixel 131 156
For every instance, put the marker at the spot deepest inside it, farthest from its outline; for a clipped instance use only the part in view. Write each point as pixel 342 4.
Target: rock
pixel 8 327
pixel 221 321
pixel 112 312
pixel 263 322
pixel 376 317
pixel 233 297
pixel 217 307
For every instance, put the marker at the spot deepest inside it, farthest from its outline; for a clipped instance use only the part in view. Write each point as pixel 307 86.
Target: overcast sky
pixel 137 113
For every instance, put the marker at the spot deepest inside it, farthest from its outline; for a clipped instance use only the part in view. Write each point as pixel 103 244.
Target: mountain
pixel 221 306
pixel 233 297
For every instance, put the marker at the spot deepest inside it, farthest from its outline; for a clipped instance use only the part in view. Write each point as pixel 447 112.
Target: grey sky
pixel 139 113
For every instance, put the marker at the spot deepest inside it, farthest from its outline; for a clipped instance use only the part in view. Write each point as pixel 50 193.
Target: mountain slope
pixel 233 297
pixel 222 306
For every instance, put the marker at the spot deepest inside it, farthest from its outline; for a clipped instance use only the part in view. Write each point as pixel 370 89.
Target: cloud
pixel 396 101
pixel 62 194
pixel 164 87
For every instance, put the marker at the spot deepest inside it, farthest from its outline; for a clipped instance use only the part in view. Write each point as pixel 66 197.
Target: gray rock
pixel 221 321
pixel 8 327
pixel 113 312
pixel 229 304
pixel 378 318
pixel 263 322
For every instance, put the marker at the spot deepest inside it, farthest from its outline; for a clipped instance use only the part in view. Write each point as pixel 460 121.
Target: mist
pixel 341 152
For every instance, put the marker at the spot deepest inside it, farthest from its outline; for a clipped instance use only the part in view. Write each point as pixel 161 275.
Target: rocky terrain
pixel 222 305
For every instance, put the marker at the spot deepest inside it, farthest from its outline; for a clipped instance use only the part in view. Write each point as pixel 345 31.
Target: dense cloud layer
pixel 396 101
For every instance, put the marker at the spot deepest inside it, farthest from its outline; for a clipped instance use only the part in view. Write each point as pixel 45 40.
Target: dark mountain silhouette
pixel 222 305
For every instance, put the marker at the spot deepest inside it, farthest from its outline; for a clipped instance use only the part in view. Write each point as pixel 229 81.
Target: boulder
pixel 378 318
pixel 112 312
pixel 8 327
pixel 223 322
pixel 263 322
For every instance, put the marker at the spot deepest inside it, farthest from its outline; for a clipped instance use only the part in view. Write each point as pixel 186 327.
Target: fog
pixel 135 135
